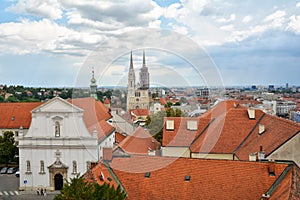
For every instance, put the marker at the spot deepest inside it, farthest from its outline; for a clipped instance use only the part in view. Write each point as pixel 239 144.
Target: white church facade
pixel 64 137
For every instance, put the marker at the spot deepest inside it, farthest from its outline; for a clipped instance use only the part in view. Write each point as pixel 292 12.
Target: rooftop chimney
pixel 261 153
pixel 252 157
pixel 261 129
pixel 251 113
pixel 271 168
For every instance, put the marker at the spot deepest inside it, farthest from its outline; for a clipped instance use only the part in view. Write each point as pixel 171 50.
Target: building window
pixel 57 129
pixel 28 168
pixel 74 167
pixel 42 167
pixel 88 165
pixel 16 133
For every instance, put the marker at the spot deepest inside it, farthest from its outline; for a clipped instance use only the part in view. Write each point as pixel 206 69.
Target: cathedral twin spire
pixel 144 74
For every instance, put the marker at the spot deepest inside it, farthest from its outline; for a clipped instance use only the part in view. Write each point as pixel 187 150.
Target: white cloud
pixel 298 5
pixel 275 16
pixel 44 35
pixel 294 24
pixel 227 27
pixel 247 18
pixel 46 8
pixel 224 20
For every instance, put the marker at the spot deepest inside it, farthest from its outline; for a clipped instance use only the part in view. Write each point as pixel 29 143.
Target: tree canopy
pixel 79 189
pixel 155 123
pixel 8 148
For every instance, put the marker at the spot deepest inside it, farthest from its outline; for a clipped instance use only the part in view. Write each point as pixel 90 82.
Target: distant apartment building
pixel 283 108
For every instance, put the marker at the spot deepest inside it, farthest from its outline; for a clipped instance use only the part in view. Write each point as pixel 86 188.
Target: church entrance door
pixel 58 181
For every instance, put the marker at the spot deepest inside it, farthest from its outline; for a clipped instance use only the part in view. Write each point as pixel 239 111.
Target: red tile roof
pixel 106 101
pixel 95 115
pixel 231 131
pixel 162 101
pixel 100 174
pixel 139 142
pixel 140 112
pixel 209 179
pixel 119 137
pixel 277 132
pixel 227 132
pixel 19 112
pixel 181 136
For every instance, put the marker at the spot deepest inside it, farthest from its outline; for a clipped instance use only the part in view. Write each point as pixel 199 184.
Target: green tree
pixel 12 99
pixel 8 148
pixel 79 189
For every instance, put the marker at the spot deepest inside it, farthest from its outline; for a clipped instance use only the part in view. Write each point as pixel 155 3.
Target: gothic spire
pixel 131 63
pixel 144 60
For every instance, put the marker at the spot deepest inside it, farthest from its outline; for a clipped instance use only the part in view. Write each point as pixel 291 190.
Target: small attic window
pixel 187 178
pixel 13 118
pixel 192 125
pixel 109 179
pixel 170 125
pixel 147 175
pixel 251 113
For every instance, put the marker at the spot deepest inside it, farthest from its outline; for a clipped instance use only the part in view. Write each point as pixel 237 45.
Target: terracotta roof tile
pixel 19 112
pixel 209 179
pixel 181 136
pixel 140 112
pixel 227 129
pixel 119 137
pixel 95 115
pixel 277 132
pixel 139 142
pixel 227 132
pixel 100 174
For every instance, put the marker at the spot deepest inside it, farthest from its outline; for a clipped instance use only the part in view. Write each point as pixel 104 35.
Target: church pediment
pixel 58 165
pixel 57 104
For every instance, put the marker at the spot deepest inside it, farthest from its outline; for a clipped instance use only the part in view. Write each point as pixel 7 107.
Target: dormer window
pixel 170 125
pixel 57 129
pixel 192 125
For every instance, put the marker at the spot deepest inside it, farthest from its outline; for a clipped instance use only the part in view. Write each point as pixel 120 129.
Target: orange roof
pixel 95 115
pixel 119 137
pixel 181 136
pixel 162 101
pixel 100 174
pixel 139 142
pixel 14 115
pixel 106 101
pixel 226 128
pixel 209 179
pixel 227 132
pixel 140 112
pixel 277 132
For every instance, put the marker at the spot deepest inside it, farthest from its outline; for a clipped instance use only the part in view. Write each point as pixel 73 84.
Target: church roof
pixel 14 115
pixel 95 115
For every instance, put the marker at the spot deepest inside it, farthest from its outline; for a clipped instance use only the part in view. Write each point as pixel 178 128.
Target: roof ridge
pixel 278 180
pixel 205 128
pixel 250 133
pixel 284 120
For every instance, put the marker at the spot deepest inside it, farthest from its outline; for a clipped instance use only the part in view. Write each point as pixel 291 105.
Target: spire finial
pixel 131 63
pixel 144 60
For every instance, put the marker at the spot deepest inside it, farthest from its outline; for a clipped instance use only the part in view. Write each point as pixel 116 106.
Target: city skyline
pixel 52 43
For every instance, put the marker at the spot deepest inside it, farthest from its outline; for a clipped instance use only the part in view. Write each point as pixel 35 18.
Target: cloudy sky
pixel 188 42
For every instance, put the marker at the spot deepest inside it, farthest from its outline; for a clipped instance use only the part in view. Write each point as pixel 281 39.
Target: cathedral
pixel 138 94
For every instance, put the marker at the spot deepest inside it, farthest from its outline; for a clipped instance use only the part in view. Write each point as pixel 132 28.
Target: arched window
pixel 74 167
pixel 57 129
pixel 28 168
pixel 42 167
